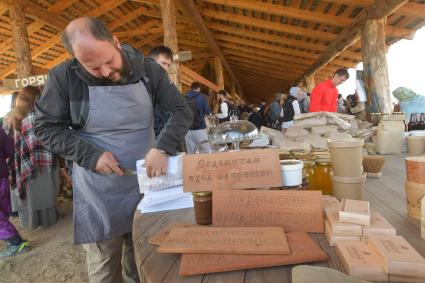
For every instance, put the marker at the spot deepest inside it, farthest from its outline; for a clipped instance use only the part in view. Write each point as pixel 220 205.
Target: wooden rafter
pixel 205 32
pixel 56 9
pixel 269 25
pixel 43 14
pixel 143 29
pixel 297 43
pixel 106 6
pixel 285 11
pixel 352 33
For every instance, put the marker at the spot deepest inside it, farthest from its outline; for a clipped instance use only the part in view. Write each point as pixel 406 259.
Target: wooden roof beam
pixel 233 55
pixel 352 34
pixel 42 14
pixel 282 74
pixel 106 6
pixel 288 28
pixel 354 3
pixel 206 33
pixel 412 9
pixel 55 8
pixel 269 25
pixel 266 46
pixel 143 29
pixel 111 26
pixel 286 11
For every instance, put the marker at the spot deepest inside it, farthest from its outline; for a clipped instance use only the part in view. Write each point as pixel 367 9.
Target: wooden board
pixel 397 255
pixel 229 240
pixel 244 169
pixel 303 250
pixel 360 261
pixel 293 210
pixel 378 226
pixel 161 235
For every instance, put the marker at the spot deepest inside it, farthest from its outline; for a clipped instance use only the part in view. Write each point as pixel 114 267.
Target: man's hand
pixel 107 164
pixel 156 163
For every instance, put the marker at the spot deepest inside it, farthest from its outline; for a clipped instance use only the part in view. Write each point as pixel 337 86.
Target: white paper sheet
pixel 184 202
pixel 174 176
pixel 156 197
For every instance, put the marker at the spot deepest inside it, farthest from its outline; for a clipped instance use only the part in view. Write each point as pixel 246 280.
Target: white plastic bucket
pixel 292 172
pixel 417 133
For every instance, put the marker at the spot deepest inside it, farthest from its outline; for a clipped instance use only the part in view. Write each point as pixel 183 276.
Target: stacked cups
pixel 347 178
pixel 415 184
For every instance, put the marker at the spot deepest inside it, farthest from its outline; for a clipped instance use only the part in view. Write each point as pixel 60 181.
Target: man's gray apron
pixel 120 120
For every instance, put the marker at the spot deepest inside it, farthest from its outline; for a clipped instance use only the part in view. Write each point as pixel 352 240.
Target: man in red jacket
pixel 325 95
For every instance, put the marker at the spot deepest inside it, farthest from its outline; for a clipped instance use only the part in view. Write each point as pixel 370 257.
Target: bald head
pixel 82 31
pixel 98 52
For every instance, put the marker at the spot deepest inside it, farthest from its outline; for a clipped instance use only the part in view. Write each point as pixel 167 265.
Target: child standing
pixel 14 243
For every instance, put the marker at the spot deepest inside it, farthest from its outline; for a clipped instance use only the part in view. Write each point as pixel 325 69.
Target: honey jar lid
pixel 201 194
pixel 309 163
pixel 324 161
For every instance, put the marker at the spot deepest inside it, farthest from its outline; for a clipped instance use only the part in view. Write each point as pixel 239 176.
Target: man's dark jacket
pixel 64 106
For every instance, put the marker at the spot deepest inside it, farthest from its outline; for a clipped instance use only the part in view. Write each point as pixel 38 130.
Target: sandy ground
pixel 53 257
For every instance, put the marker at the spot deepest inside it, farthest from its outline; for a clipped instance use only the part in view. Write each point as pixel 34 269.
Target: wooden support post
pixel 196 16
pixel 309 83
pixel 375 65
pixel 20 40
pixel 170 38
pixel 218 67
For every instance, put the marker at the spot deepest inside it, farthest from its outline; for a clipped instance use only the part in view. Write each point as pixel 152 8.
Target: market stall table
pixel 386 195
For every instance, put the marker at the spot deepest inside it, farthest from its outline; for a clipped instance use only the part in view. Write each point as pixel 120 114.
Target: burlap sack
pixel 342 120
pixel 290 146
pixel 322 130
pixel 294 132
pixel 337 136
pixel 308 120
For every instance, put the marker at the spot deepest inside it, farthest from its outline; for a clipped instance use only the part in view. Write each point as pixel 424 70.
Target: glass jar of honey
pixel 323 176
pixel 309 174
pixel 203 207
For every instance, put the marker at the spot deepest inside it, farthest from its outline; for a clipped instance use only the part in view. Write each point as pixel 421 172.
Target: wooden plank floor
pixel 386 195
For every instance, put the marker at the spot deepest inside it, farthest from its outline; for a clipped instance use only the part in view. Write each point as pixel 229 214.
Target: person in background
pixel 8 118
pixel 97 110
pixel 163 56
pixel 301 96
pixel 341 104
pixel 275 111
pixel 256 118
pixel 8 128
pixel 37 168
pixel 14 243
pixel 197 133
pixel 224 108
pixel 243 107
pixel 290 107
pixel 357 108
pixel 325 95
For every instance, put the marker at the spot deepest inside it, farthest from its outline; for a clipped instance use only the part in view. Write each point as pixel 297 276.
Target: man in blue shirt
pixel 199 103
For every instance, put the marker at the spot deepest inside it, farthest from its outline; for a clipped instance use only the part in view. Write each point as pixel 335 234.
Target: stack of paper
pixel 167 199
pixel 173 177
